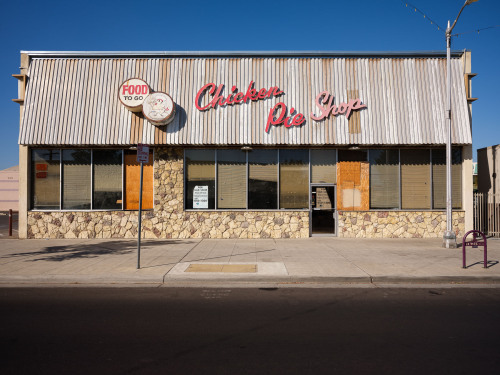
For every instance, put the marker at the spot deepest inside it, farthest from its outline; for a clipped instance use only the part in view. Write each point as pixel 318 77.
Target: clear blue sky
pixel 361 25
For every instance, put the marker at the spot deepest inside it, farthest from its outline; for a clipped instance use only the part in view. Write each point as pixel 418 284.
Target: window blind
pixel 415 179
pixel 231 179
pixel 76 179
pixel 439 178
pixel 294 181
pixel 323 166
pixel 384 179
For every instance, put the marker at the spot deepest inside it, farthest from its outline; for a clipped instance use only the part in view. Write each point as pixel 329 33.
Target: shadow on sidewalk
pixel 88 250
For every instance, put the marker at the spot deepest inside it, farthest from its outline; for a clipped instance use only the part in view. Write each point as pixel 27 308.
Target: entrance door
pixel 323 210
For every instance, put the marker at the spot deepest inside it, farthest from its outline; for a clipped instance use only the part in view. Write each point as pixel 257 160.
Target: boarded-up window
pixel 76 179
pixel 200 179
pixel 231 179
pixel 323 166
pixel 353 185
pixel 439 178
pixel 415 179
pixel 294 179
pixel 263 179
pixel 133 179
pixel 45 171
pixel 384 179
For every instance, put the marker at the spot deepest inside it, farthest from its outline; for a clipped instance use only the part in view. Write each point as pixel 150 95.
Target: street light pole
pixel 449 237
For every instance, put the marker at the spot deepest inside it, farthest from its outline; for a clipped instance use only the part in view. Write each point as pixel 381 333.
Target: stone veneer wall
pixel 168 218
pixel 398 224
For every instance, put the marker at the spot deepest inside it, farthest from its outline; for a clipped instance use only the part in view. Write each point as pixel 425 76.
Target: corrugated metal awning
pixel 74 100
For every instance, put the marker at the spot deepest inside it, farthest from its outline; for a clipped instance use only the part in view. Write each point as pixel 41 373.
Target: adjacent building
pixel 242 144
pixel 9 189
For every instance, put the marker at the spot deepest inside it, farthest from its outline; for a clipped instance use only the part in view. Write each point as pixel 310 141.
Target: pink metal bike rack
pixel 475 243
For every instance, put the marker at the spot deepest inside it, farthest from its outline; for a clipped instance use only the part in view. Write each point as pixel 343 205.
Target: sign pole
pixel 142 157
pixel 140 223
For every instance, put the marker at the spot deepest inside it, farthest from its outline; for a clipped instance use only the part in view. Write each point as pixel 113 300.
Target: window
pixel 45 179
pixel 76 179
pixel 86 179
pixel 200 179
pixel 415 179
pixel 294 179
pixel 247 179
pixel 269 179
pixel 439 178
pixel 231 179
pixel 384 179
pixel 263 179
pixel 323 167
pixel 107 179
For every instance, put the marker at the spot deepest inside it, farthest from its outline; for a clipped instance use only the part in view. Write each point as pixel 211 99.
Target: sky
pixel 361 25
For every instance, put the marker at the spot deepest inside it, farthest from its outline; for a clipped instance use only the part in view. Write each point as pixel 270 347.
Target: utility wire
pixel 477 31
pixel 407 4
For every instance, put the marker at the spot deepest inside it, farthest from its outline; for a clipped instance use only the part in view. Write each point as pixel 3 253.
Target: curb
pixel 39 281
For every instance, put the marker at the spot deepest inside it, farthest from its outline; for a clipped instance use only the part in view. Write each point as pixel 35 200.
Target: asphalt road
pixel 249 331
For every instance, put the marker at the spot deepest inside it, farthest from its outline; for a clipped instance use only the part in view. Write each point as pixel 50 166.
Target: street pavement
pixel 312 262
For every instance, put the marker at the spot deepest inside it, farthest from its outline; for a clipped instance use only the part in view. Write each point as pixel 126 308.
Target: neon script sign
pixel 278 114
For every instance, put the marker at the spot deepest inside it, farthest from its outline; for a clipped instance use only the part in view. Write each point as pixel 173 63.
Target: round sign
pixel 159 108
pixel 132 93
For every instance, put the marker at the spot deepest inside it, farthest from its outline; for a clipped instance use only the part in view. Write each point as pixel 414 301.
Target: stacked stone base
pixel 398 224
pixel 123 224
pixel 249 225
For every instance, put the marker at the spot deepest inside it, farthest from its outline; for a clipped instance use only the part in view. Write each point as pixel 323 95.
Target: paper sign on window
pixel 200 197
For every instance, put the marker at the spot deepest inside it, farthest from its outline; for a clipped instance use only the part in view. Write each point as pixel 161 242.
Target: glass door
pixel 323 210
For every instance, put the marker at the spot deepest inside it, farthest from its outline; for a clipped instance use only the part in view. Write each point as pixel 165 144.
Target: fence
pixel 487 213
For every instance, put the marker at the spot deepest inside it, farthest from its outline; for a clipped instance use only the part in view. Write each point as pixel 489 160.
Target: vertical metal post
pixel 140 223
pixel 10 223
pixel 449 238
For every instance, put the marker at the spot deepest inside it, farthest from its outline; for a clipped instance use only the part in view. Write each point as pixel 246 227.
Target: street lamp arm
pixel 450 29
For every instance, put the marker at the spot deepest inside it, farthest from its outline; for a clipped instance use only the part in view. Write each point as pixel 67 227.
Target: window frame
pixel 91 181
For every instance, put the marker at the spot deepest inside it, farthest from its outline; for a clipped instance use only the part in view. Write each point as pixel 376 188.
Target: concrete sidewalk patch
pixel 229 270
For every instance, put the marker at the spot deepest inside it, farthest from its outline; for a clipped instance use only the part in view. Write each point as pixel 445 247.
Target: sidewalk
pixel 314 261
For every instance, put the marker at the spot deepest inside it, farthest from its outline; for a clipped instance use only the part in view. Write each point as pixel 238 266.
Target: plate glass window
pixel 45 179
pixel 263 179
pixel 76 179
pixel 107 179
pixel 294 179
pixel 200 179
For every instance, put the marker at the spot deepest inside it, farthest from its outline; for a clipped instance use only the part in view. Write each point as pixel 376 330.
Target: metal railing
pixel 487 213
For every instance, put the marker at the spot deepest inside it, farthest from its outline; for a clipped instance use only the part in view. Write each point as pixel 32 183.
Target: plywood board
pixel 353 182
pixel 133 180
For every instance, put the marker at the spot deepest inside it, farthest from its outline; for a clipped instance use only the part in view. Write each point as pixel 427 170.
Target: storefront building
pixel 242 144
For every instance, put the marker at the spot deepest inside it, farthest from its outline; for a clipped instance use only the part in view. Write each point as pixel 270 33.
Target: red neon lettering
pixel 250 93
pixel 234 97
pixel 262 94
pixel 297 120
pixel 125 89
pixel 239 97
pixel 342 108
pixel 202 90
pixel 274 91
pixel 279 120
pixel 144 89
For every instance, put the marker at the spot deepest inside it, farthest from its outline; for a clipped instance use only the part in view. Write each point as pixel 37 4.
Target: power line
pixel 407 4
pixel 477 31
